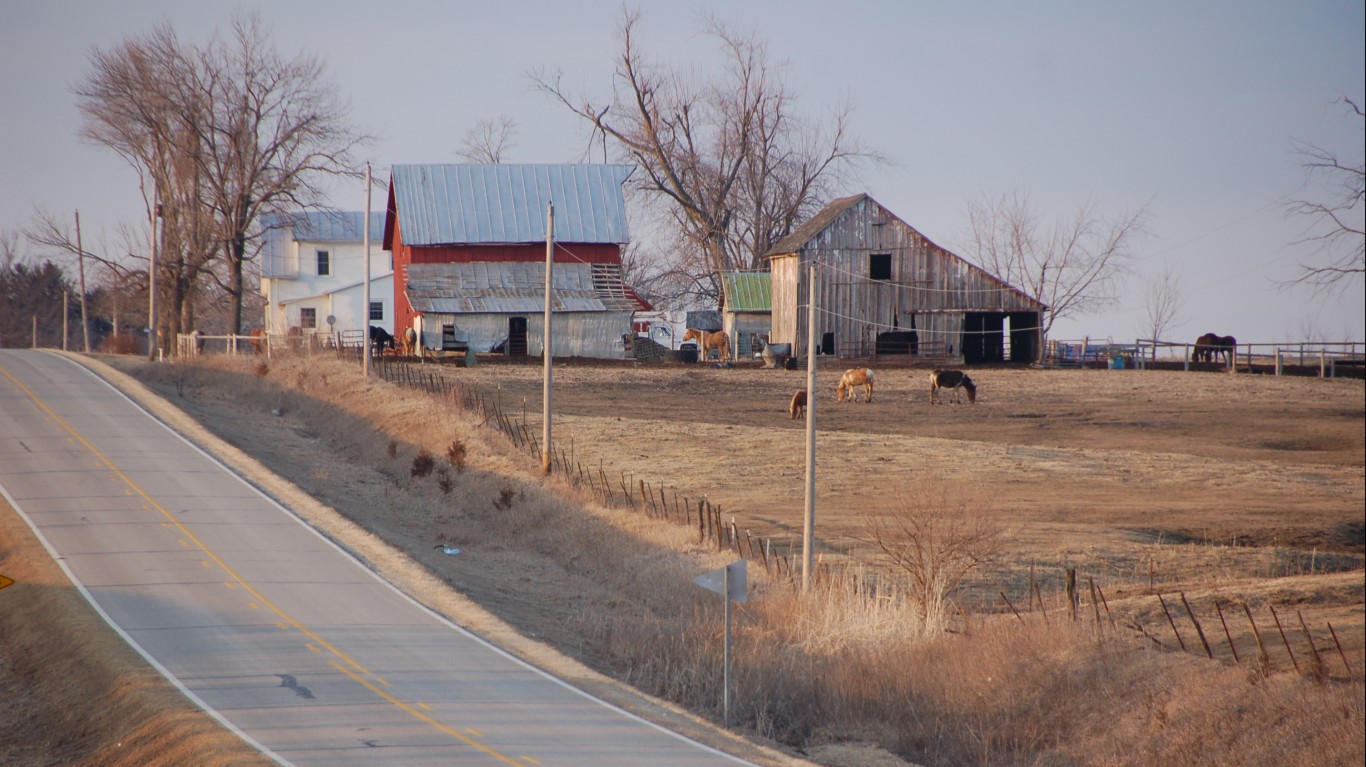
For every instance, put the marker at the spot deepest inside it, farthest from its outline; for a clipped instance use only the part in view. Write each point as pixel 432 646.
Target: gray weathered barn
pixel 883 288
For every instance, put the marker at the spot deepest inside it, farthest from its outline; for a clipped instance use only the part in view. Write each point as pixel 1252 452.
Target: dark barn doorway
pixel 983 337
pixel 516 337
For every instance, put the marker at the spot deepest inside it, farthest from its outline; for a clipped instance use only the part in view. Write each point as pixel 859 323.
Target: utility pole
pixel 365 299
pixel 809 527
pixel 546 385
pixel 80 259
pixel 152 276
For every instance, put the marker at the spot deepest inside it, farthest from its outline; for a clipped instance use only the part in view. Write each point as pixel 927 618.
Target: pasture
pixel 1084 459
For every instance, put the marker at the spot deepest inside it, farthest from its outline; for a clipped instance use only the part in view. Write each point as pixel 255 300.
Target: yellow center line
pixel 289 620
pixel 424 717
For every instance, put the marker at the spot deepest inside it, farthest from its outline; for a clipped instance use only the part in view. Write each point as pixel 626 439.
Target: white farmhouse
pixel 313 272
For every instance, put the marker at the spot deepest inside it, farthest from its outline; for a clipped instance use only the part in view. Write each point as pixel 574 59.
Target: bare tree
pixel 488 141
pixel 224 132
pixel 1162 301
pixel 1335 217
pixel 727 162
pixel 1073 265
pixel 936 537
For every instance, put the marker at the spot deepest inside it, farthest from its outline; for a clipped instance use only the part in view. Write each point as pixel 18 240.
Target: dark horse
pixel 380 338
pixel 1210 347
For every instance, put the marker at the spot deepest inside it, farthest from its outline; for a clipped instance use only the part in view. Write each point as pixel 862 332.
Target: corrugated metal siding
pixel 928 281
pixel 577 334
pixel 515 287
pixel 497 203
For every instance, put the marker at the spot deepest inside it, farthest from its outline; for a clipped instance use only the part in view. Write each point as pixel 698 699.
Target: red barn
pixel 469 250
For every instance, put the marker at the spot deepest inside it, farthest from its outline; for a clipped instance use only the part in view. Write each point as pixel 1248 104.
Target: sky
pixel 1192 109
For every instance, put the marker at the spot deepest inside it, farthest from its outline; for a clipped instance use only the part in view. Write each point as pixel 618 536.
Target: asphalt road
pixel 277 632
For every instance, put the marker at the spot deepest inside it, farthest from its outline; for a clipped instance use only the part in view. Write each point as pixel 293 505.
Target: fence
pixel 1088 604
pixel 1324 359
pixel 345 343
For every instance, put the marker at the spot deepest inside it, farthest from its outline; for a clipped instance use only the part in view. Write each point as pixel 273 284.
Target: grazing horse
pixel 798 407
pixel 1205 348
pixel 707 341
pixel 409 342
pixel 1225 347
pixel 953 380
pixel 849 383
pixel 380 338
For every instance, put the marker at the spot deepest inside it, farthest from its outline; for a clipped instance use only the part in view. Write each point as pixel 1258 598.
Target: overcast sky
pixel 1190 108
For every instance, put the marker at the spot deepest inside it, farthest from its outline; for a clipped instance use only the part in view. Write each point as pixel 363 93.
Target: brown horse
pixel 953 380
pixel 1225 347
pixel 258 340
pixel 707 341
pixel 852 379
pixel 1204 348
pixel 798 407
pixel 1211 347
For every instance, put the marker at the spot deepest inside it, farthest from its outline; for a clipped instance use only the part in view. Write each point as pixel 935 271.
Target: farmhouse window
pixel 376 310
pixel 308 318
pixel 324 263
pixel 880 266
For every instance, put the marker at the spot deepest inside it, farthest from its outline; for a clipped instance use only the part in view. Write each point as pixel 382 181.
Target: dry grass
pixel 848 664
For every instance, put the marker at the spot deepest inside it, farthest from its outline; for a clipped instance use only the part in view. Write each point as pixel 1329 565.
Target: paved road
pixel 262 621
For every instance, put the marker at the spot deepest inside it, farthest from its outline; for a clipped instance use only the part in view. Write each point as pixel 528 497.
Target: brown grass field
pixel 1238 493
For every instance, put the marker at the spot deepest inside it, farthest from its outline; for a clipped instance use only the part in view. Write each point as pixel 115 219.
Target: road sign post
pixel 731 583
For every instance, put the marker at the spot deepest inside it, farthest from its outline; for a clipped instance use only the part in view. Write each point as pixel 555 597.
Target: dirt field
pixel 1196 480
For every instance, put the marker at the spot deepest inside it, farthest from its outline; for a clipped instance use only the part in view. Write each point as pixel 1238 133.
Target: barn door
pixel 516 346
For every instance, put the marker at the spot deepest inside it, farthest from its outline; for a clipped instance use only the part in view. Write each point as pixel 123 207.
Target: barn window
pixel 324 263
pixel 376 310
pixel 880 266
pixel 308 318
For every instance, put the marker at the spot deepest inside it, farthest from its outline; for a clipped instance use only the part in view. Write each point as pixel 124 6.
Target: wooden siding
pixel 926 285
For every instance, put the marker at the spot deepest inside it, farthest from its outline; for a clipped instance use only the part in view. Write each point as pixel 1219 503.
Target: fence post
pixel 1284 639
pixel 1072 591
pixel 1199 631
pixel 1171 622
pixel 1261 647
pixel 1278 361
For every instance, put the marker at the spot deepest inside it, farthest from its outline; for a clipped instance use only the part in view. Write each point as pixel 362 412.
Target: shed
pixel 883 288
pixel 747 310
pixel 469 245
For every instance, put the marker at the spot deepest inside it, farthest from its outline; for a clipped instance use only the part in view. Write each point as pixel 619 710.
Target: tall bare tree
pixel 1335 216
pixel 727 161
pixel 1162 301
pixel 487 141
pixel 1072 264
pixel 225 131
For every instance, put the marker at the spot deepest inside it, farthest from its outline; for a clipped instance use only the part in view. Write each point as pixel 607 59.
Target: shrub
pixel 423 463
pixel 456 454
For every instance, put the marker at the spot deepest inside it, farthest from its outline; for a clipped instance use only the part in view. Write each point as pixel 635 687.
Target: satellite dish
pixel 331 320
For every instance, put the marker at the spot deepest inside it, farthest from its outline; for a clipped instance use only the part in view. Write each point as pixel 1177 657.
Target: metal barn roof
pixel 518 288
pixel 498 203
pixel 747 291
pixel 326 226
